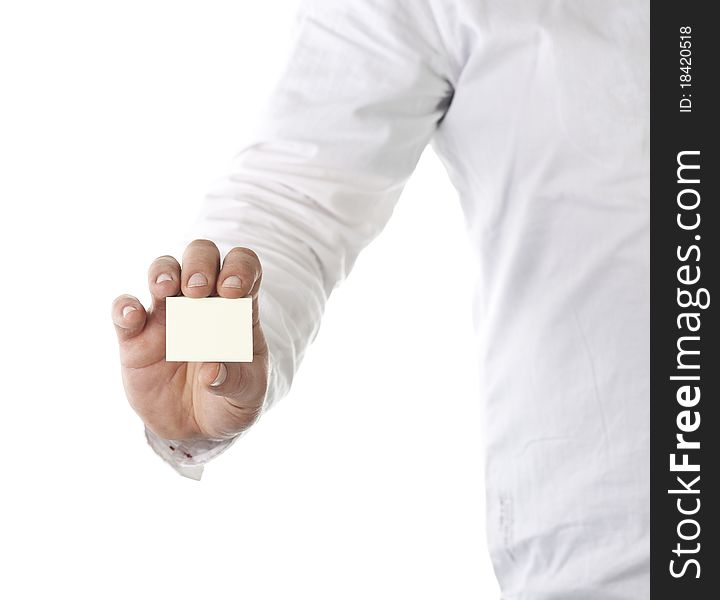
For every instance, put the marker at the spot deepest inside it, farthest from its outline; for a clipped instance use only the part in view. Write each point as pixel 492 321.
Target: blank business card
pixel 208 330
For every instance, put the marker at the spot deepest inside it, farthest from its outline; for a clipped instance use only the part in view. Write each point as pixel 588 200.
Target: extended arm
pixel 360 97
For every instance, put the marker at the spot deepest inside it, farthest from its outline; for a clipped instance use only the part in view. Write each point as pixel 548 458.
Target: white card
pixel 208 330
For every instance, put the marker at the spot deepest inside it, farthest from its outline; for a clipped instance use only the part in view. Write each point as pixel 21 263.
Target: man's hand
pixel 185 401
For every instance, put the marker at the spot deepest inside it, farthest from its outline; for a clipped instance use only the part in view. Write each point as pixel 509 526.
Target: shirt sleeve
pixel 363 90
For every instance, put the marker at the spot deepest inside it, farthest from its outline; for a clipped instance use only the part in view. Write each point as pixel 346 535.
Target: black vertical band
pixel 685 268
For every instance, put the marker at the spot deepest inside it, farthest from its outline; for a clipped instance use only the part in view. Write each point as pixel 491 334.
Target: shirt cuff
pixel 188 457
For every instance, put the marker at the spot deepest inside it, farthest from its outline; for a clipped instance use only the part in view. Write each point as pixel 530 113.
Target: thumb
pixel 229 401
pixel 241 385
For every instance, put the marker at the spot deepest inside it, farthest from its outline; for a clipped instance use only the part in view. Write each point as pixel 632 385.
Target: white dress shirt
pixel 540 112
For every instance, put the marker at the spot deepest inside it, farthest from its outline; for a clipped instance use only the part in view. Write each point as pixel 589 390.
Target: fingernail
pixel 197 280
pixel 233 282
pixel 127 310
pixel 163 277
pixel 221 375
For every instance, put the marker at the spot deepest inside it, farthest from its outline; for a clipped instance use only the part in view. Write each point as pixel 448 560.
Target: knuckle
pixel 202 256
pixel 123 298
pixel 245 263
pixel 202 244
pixel 250 252
pixel 246 254
pixel 165 260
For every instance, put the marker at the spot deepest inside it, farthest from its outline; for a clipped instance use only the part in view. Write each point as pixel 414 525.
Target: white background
pixel 365 482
